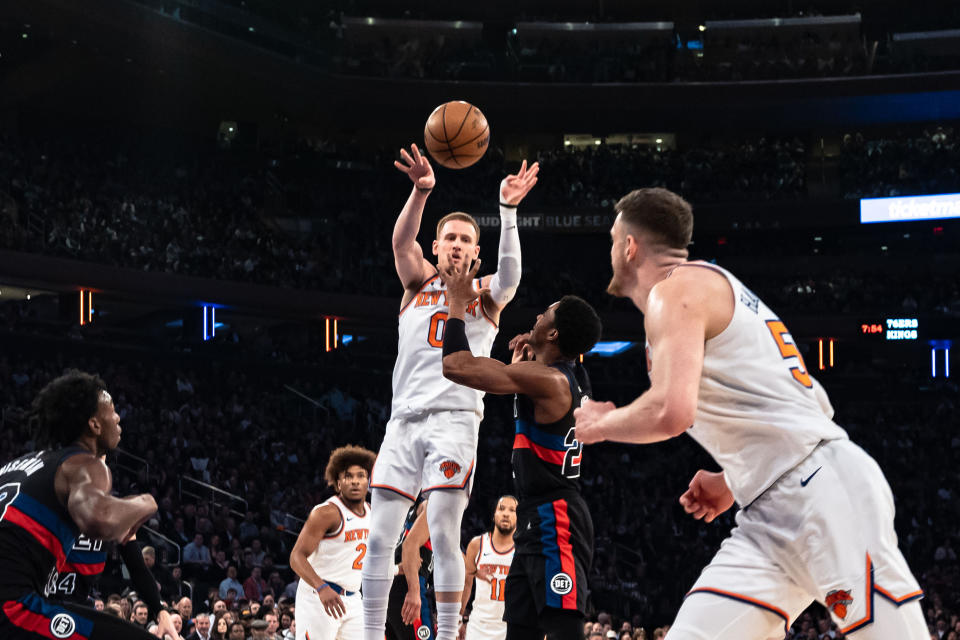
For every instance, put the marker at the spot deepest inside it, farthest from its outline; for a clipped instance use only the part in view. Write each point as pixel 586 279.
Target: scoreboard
pixel 891 328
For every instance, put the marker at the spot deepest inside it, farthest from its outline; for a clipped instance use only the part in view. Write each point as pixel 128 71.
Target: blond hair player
pixel 816 513
pixel 487 563
pixel 431 439
pixel 329 552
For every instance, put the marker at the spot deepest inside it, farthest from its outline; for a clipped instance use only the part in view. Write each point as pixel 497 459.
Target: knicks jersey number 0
pixel 438 324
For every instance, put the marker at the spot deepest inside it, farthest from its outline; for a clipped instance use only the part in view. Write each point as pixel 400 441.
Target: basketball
pixel 456 134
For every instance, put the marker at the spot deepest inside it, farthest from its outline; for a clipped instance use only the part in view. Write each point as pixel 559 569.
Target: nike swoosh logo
pixel 349 519
pixel 513 227
pixel 804 483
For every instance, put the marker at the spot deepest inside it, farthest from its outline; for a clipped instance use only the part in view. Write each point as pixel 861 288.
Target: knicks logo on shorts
pixel 449 468
pixel 837 602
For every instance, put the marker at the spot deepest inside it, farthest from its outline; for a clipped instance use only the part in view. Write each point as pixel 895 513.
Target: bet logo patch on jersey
pixel 62 626
pixel 423 632
pixel 449 468
pixel 561 584
pixel 837 602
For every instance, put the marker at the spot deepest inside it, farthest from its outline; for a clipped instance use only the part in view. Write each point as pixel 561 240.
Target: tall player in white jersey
pixel 329 552
pixel 816 516
pixel 431 438
pixel 487 563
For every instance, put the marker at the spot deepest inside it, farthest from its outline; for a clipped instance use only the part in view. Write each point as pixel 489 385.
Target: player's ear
pixel 94 425
pixel 631 246
pixel 435 247
pixel 476 252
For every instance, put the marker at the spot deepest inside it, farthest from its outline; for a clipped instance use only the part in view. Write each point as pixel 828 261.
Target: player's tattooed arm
pixel 412 267
pixel 322 521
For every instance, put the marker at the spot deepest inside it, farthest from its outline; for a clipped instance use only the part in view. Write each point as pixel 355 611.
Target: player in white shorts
pixel 487 563
pixel 816 516
pixel 431 438
pixel 329 552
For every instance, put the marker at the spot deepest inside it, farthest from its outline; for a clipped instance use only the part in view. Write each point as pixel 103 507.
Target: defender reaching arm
pixel 410 562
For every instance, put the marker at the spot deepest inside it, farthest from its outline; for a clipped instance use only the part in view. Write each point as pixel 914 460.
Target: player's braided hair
pixel 345 457
pixel 62 408
pixel 578 326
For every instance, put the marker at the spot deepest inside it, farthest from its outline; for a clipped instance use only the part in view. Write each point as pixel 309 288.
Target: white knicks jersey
pixel 759 411
pixel 339 556
pixel 488 598
pixel 418 382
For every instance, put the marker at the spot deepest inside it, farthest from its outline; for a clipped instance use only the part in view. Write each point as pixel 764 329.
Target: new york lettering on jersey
pixel 488 602
pixel 757 396
pixel 36 531
pixel 418 386
pixel 338 559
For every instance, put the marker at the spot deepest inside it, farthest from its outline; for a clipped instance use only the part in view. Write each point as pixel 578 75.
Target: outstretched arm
pixel 486 374
pixel 407 253
pixel 676 325
pixel 97 513
pixel 503 284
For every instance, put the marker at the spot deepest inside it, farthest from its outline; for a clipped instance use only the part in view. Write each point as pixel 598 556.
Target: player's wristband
pixel 504 205
pixel 455 336
pixel 424 189
pixel 322 585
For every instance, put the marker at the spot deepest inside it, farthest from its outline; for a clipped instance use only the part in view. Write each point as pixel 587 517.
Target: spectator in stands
pixel 273 625
pixel 220 628
pixel 237 631
pixel 248 528
pixel 255 586
pixel 184 607
pixel 256 548
pixel 196 553
pixel 230 583
pixel 140 614
pixel 203 628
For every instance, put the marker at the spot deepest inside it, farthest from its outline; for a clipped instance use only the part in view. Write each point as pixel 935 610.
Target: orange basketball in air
pixel 456 134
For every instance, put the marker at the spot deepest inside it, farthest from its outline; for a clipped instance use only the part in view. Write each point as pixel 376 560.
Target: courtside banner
pixel 946 205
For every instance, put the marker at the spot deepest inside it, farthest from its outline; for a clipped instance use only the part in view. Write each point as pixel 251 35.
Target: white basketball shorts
pixel 824 531
pixel 313 623
pixel 433 451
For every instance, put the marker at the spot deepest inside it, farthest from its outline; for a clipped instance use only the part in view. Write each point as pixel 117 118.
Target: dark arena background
pixel 197 199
